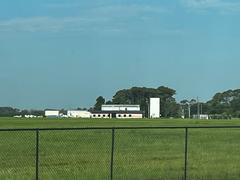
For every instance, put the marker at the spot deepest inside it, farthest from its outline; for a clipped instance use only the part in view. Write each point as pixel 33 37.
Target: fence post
pixel 37 154
pixel 112 154
pixel 186 154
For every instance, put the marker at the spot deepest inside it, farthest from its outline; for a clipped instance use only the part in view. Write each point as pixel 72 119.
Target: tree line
pixel 141 95
pixel 225 104
pixel 10 112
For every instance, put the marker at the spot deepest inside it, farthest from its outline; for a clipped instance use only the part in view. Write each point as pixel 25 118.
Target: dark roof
pixel 117 112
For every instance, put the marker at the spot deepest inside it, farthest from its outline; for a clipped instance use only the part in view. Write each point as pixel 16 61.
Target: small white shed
pixel 78 114
pixel 52 113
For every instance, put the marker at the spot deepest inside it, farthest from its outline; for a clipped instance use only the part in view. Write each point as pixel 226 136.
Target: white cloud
pixel 201 3
pixel 129 10
pixel 219 5
pixel 124 8
pixel 112 10
pixel 62 5
pixel 49 24
pixel 105 18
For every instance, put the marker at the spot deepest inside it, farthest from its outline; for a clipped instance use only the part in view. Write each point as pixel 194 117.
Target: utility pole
pixel 183 108
pixel 198 108
pixel 183 112
pixel 148 108
pixel 189 110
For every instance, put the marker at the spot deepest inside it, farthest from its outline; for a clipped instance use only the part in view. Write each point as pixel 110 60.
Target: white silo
pixel 154 108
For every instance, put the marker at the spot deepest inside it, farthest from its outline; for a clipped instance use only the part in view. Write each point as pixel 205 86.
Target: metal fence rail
pixel 38 132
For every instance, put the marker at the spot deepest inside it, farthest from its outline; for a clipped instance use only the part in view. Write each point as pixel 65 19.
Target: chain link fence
pixel 125 153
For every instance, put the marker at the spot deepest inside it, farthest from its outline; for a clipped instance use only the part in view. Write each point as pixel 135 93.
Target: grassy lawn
pixel 139 154
pixel 60 123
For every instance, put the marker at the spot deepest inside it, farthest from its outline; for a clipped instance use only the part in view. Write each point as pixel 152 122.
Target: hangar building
pixel 120 111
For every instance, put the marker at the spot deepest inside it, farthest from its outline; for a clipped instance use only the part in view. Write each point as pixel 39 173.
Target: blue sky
pixel 64 53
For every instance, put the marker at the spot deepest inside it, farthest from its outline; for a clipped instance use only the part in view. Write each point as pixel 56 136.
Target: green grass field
pixel 139 154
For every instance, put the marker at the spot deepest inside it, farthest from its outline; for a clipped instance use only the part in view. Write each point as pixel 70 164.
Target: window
pixel 94 115
pixel 119 115
pixel 130 115
pixel 99 115
pixel 125 115
pixel 104 115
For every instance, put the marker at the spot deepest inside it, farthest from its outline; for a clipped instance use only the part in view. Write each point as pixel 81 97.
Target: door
pixel 114 115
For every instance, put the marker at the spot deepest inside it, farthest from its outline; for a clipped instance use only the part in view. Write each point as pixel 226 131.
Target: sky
pixel 65 53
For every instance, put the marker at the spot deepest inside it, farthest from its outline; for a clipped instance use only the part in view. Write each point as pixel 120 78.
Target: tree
pixel 37 112
pixel 9 112
pixel 109 102
pixel 25 112
pixel 99 102
pixel 82 109
pixel 226 103
pixel 141 95
pixel 63 111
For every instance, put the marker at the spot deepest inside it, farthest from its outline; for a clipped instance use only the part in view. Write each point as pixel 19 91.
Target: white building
pixel 119 111
pixel 129 115
pixel 120 107
pixel 201 116
pixel 78 114
pixel 118 114
pixel 101 115
pixel 154 108
pixel 52 113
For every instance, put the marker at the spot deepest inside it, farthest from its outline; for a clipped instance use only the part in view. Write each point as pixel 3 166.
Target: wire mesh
pixel 17 155
pixel 121 153
pixel 149 154
pixel 214 154
pixel 75 154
